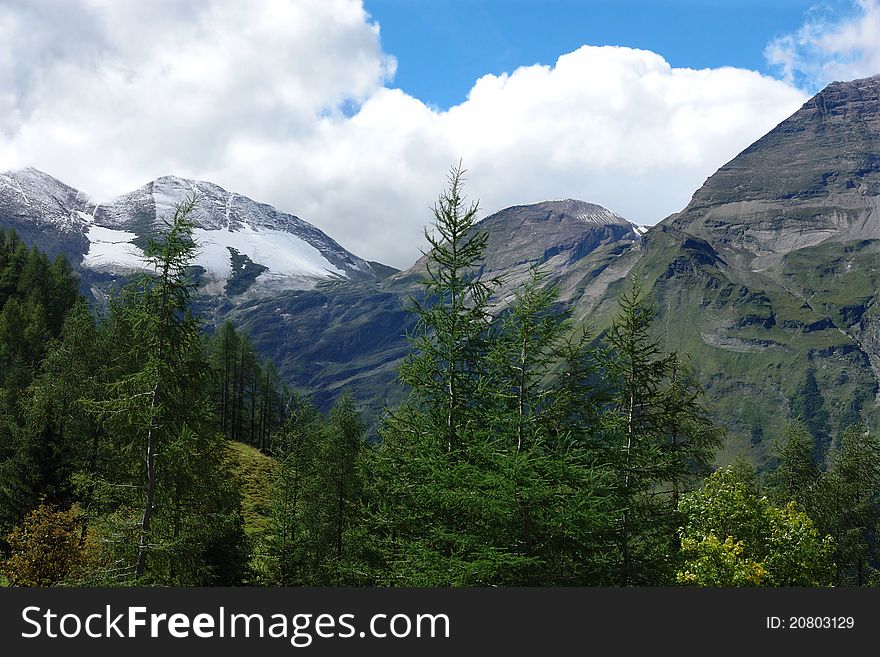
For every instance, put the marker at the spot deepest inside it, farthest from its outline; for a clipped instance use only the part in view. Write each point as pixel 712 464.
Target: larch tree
pixel 159 412
pixel 659 439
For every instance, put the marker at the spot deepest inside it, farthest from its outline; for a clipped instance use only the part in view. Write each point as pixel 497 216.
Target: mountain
pixel 814 178
pixel 772 268
pixel 554 234
pixel 328 318
pixel 43 211
pixel 352 334
pixel 247 249
pixel 770 271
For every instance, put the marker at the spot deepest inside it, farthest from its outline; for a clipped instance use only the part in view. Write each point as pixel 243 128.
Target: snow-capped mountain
pixel 245 247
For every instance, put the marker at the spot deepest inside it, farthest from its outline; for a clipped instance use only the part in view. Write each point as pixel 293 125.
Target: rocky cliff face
pixel 814 178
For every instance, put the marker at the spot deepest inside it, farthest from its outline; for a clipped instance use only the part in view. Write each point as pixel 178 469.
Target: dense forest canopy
pixel 138 448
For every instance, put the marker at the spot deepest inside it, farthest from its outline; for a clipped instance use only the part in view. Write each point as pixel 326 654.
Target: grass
pixel 256 473
pixel 749 383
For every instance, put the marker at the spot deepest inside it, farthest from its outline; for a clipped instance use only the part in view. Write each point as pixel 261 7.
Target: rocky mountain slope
pixel 246 249
pixel 773 268
pixel 814 178
pixel 350 334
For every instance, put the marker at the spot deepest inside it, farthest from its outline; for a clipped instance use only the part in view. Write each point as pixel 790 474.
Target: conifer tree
pixel 297 448
pixel 849 506
pixel 342 445
pixel 444 506
pixel 182 521
pixel 798 475
pixel 658 440
pixel 544 406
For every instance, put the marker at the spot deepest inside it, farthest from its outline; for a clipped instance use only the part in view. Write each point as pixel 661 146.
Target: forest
pixel 139 448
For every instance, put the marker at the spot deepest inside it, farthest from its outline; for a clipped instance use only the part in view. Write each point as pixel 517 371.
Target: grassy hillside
pixel 752 335
pixel 256 473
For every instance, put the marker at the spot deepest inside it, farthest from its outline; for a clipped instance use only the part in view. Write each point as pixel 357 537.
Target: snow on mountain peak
pixel 44 200
pixel 237 237
pixel 244 246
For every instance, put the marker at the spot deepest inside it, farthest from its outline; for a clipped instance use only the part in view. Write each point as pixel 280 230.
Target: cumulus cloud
pixel 289 102
pixel 111 91
pixel 830 46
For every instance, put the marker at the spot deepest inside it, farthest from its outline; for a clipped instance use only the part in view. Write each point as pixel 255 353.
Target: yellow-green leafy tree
pixel 733 536
pixel 46 549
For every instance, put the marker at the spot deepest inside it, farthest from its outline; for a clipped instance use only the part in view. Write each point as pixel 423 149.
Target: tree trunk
pixel 150 458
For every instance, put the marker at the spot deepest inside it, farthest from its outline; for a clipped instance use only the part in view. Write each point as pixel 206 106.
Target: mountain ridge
pixel 278 250
pixel 770 270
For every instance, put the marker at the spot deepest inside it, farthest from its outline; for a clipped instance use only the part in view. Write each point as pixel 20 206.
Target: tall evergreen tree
pixel 159 414
pixel 544 405
pixel 849 507
pixel 798 475
pixel 808 406
pixel 297 449
pixel 443 489
pixel 659 439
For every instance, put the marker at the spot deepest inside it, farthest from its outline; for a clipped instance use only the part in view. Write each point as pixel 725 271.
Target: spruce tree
pixel 798 475
pixel 544 404
pixel 444 505
pixel 850 506
pixel 297 450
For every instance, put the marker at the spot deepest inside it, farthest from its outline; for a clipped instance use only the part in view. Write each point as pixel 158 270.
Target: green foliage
pixel 843 500
pixel 522 457
pixel 317 496
pixel 808 406
pixel 440 471
pixel 658 441
pixel 526 452
pixel 798 475
pixel 543 401
pixel 47 549
pixel 248 394
pixel 161 496
pixel 848 506
pixel 443 477
pixel 35 298
pixel 734 536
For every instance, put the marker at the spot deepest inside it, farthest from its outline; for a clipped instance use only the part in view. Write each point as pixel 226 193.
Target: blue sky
pixel 443 46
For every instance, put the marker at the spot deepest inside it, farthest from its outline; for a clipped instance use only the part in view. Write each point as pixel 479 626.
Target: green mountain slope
pixel 773 269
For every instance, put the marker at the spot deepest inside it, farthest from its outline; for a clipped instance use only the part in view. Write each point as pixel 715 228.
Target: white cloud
pixel 830 46
pixel 107 95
